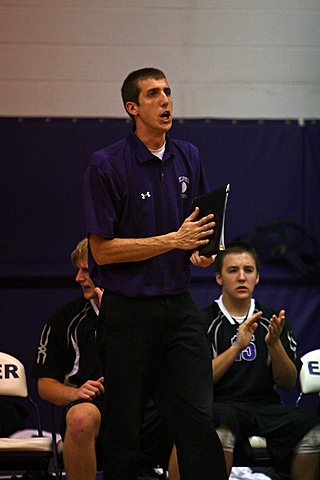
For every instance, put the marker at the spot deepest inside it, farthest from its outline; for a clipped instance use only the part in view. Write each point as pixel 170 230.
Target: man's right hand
pixel 246 330
pixel 90 389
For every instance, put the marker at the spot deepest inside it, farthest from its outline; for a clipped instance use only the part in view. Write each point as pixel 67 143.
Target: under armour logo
pixel 145 195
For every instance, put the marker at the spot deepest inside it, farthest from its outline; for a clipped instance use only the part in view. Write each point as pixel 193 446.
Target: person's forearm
pixel 120 250
pixel 223 362
pixel 284 371
pixel 55 392
pixel 190 236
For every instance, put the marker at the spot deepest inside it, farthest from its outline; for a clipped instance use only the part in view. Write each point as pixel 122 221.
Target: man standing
pixel 138 195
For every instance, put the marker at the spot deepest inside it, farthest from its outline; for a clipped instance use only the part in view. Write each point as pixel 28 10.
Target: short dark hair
pixel 130 90
pixel 236 247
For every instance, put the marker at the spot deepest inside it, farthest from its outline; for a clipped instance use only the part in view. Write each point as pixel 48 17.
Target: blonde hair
pixel 79 252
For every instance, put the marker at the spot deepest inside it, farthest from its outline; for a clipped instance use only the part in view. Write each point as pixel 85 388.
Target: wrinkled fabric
pixel 245 473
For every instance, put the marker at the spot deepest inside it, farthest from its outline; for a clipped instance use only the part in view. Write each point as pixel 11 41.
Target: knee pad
pixel 310 443
pixel 227 438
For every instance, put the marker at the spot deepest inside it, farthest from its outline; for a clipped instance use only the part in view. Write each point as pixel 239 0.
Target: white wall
pixel 223 58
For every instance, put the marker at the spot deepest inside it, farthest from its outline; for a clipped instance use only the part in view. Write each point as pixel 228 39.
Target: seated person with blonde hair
pixel 69 374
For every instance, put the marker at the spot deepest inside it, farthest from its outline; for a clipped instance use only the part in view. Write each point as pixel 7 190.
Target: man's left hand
pixel 200 260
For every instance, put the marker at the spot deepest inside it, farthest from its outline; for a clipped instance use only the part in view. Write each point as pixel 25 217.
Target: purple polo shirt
pixel 130 193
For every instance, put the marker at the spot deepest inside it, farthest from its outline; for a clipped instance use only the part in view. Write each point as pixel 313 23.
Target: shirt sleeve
pixel 290 345
pixel 102 198
pixel 52 352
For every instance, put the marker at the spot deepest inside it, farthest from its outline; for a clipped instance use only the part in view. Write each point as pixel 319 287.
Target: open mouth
pixel 165 114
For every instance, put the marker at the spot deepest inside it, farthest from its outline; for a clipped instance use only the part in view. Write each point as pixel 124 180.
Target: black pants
pixel 157 347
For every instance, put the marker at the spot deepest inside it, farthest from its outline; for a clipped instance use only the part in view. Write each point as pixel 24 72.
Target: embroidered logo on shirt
pixel 184 182
pixel 145 195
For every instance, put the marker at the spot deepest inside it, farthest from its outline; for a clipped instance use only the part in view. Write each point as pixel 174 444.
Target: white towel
pixel 245 473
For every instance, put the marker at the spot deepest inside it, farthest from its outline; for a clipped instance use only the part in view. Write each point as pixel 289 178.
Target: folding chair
pixel 21 454
pixel 261 457
pixel 309 377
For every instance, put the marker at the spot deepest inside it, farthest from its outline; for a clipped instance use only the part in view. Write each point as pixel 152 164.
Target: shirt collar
pixel 227 314
pixel 95 307
pixel 142 153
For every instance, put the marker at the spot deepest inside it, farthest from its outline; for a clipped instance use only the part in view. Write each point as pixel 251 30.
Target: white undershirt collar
pixel 234 320
pixel 160 152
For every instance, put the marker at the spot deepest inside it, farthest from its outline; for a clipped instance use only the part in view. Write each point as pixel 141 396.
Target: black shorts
pixel 282 425
pixel 98 402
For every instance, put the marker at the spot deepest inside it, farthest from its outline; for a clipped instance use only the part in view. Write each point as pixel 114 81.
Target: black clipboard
pixel 213 202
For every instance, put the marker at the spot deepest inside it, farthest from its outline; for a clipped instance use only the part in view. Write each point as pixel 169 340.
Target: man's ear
pixel 131 108
pixel 257 278
pixel 218 278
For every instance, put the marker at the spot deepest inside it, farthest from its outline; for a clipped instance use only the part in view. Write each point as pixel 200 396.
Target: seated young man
pixel 254 350
pixel 69 375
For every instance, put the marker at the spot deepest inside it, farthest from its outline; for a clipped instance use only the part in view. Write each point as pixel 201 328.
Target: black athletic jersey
pixel 250 378
pixel 67 349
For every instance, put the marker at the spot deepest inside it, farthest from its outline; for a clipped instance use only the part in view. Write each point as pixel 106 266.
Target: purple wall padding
pixel 273 168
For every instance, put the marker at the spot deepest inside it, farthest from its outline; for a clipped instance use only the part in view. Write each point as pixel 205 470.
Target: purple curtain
pixel 273 168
